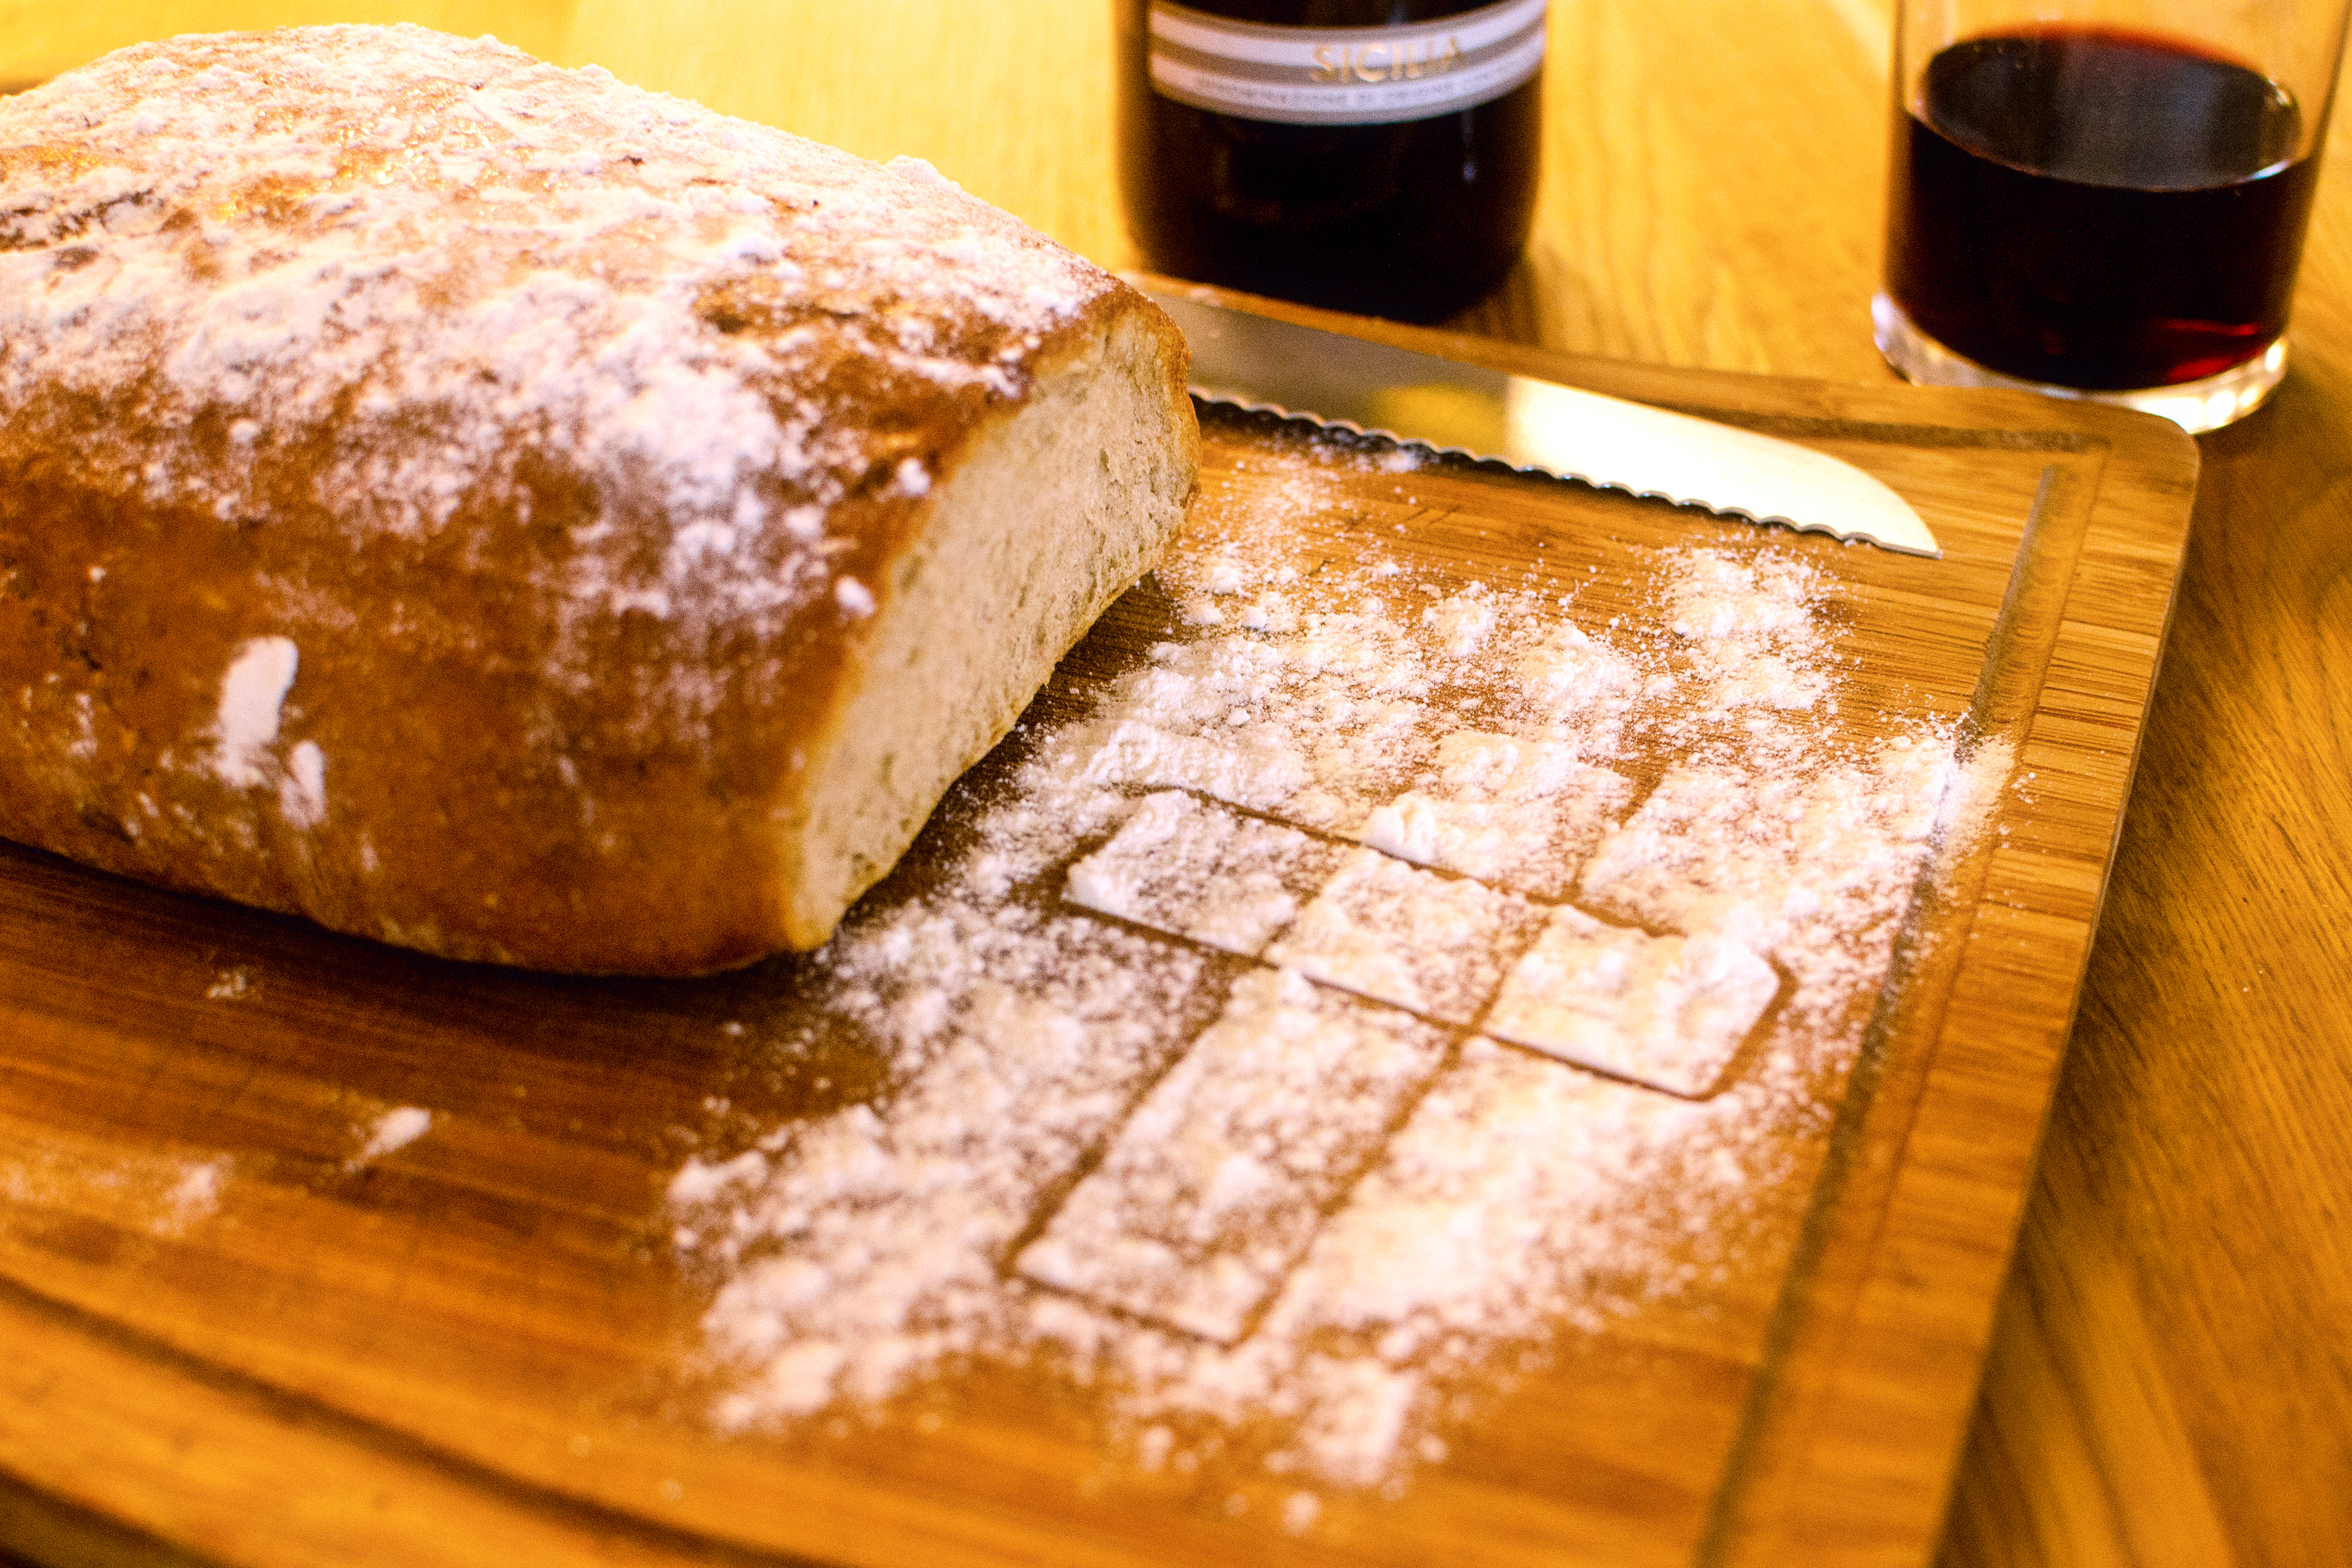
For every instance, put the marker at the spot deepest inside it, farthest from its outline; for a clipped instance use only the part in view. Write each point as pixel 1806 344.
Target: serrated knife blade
pixel 1261 363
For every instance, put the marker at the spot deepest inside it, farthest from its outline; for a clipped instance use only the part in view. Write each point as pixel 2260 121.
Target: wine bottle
pixel 1371 155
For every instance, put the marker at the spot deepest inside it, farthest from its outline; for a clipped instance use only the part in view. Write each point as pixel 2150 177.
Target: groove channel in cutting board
pixel 499 1320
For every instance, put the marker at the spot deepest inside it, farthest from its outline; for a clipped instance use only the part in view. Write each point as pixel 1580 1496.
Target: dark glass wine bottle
pixel 1371 155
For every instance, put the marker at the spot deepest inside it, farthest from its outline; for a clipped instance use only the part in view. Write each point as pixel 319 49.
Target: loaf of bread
pixel 494 509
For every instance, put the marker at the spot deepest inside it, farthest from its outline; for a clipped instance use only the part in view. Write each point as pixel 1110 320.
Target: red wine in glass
pixel 2097 209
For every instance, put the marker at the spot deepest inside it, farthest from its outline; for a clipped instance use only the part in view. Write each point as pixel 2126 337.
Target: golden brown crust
pixel 549 659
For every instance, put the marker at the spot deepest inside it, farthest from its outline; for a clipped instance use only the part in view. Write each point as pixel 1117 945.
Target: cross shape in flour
pixel 1369 973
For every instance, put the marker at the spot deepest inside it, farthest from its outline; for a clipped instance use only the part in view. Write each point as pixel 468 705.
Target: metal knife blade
pixel 1260 362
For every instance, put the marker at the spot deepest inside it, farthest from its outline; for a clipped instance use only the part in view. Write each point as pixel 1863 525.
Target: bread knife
pixel 1299 372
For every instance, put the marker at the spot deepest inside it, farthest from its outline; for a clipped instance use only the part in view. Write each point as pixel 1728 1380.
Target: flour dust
pixel 1381 978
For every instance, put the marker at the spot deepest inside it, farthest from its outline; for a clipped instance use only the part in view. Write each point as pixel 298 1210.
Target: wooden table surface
pixel 2172 1378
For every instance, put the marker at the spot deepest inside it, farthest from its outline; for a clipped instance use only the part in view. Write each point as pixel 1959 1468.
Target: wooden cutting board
pixel 231 1335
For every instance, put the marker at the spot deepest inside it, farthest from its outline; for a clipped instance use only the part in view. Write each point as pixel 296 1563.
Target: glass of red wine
pixel 2104 200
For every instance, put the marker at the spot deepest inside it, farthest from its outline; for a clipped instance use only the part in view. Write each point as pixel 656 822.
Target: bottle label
pixel 1345 76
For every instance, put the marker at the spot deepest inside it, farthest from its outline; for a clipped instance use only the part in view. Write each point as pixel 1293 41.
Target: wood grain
pixel 485 1351
pixel 2171 1380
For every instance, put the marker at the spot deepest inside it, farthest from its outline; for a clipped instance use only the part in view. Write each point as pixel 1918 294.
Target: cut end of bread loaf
pixel 491 509
pixel 1050 516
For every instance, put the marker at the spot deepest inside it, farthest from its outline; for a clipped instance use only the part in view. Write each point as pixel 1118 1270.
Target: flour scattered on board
pixel 394 1130
pixel 231 984
pixel 1381 979
pixel 194 1196
pixel 162 1194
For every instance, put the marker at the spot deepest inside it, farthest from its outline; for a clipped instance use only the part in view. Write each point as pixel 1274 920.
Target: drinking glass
pixel 2103 198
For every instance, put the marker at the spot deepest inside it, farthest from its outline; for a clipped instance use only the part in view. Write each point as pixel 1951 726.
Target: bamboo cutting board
pixel 234 1334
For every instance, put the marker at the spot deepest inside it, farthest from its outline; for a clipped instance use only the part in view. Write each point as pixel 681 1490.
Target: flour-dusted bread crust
pixel 495 509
